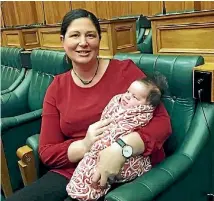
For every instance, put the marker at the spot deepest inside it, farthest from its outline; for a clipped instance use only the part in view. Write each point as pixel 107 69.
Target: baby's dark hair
pixel 158 84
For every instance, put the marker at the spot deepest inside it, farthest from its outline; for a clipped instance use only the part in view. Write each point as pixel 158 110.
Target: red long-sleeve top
pixel 68 110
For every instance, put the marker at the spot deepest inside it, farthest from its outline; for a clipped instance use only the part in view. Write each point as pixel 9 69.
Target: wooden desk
pixel 184 34
pixel 21 37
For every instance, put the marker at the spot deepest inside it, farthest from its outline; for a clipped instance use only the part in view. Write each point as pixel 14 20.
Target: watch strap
pixel 121 142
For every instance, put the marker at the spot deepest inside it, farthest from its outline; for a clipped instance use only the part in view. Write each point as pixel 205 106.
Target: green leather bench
pixel 12 72
pixel 22 108
pixel 186 172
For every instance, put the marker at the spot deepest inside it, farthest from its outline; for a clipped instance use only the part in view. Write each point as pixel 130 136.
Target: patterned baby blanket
pixel 124 121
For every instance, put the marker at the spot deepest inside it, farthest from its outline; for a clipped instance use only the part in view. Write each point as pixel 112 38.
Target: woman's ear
pixel 62 38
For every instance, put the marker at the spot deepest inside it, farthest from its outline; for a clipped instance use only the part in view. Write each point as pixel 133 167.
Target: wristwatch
pixel 127 150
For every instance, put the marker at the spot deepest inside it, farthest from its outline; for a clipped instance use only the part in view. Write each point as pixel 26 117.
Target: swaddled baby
pixel 129 111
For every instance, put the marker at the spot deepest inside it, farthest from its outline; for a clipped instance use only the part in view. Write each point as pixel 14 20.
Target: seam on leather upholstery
pixel 188 157
pixel 155 63
pixel 171 74
pixel 116 198
pixel 144 185
pixel 167 172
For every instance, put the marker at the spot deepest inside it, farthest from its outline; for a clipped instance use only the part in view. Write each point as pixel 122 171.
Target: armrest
pixel 33 143
pixel 29 160
pixel 148 186
pixel 9 122
pixel 15 102
pixel 26 164
pixel 16 83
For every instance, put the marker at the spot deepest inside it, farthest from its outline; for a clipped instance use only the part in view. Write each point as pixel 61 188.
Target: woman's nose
pixel 83 41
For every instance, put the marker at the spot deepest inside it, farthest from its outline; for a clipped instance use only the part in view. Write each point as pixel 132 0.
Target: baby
pixel 129 110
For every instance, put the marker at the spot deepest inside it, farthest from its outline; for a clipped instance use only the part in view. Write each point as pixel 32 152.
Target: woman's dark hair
pixel 76 14
pixel 159 85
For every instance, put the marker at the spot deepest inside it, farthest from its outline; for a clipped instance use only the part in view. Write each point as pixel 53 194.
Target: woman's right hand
pixel 95 132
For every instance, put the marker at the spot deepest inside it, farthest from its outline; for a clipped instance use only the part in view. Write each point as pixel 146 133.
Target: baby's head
pixel 144 91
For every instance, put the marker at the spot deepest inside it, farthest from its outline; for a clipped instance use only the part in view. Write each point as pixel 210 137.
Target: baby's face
pixel 136 94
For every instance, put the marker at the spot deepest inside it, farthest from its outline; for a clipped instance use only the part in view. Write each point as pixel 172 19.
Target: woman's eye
pixel 91 35
pixel 74 35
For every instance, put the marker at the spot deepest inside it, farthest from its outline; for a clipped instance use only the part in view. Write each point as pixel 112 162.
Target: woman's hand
pixel 109 165
pixel 95 132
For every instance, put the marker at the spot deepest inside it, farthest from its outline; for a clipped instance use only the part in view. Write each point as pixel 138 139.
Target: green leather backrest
pixel 11 56
pixel 177 99
pixel 45 65
pixel 10 66
pixel 8 76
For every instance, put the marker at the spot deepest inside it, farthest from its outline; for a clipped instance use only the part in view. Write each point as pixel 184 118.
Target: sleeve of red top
pixel 155 133
pixel 52 144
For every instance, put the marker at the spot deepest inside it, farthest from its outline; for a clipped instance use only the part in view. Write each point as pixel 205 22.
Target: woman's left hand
pixel 109 164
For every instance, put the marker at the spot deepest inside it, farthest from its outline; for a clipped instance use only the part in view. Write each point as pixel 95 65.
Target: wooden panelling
pixel 50 38
pixel 39 7
pixel 179 6
pixel 20 13
pixel 102 10
pixel 78 4
pixel 7 8
pixel 188 34
pixel 2 18
pixel 124 39
pixel 106 46
pixel 139 7
pixel 117 36
pixel 30 38
pixel 12 38
pixel 30 12
pixel 184 38
pixel 25 38
pixel 25 12
pixel 207 5
pixel 88 5
pixel 91 6
pixel 155 7
pixel 119 8
pixel 55 10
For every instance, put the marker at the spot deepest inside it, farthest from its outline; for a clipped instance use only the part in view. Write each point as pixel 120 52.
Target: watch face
pixel 127 151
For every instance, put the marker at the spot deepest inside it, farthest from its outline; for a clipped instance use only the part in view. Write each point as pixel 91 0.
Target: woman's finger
pixel 96 177
pixel 99 137
pixel 102 123
pixel 103 180
pixel 101 130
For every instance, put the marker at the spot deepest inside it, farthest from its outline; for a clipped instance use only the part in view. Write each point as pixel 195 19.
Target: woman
pixel 72 108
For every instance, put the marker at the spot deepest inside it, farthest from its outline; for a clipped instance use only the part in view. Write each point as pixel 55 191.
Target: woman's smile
pixel 83 53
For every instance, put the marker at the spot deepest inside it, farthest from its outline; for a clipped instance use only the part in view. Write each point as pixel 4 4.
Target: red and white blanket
pixel 124 122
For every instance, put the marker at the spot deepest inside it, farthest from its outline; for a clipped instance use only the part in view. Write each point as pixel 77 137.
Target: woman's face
pixel 81 41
